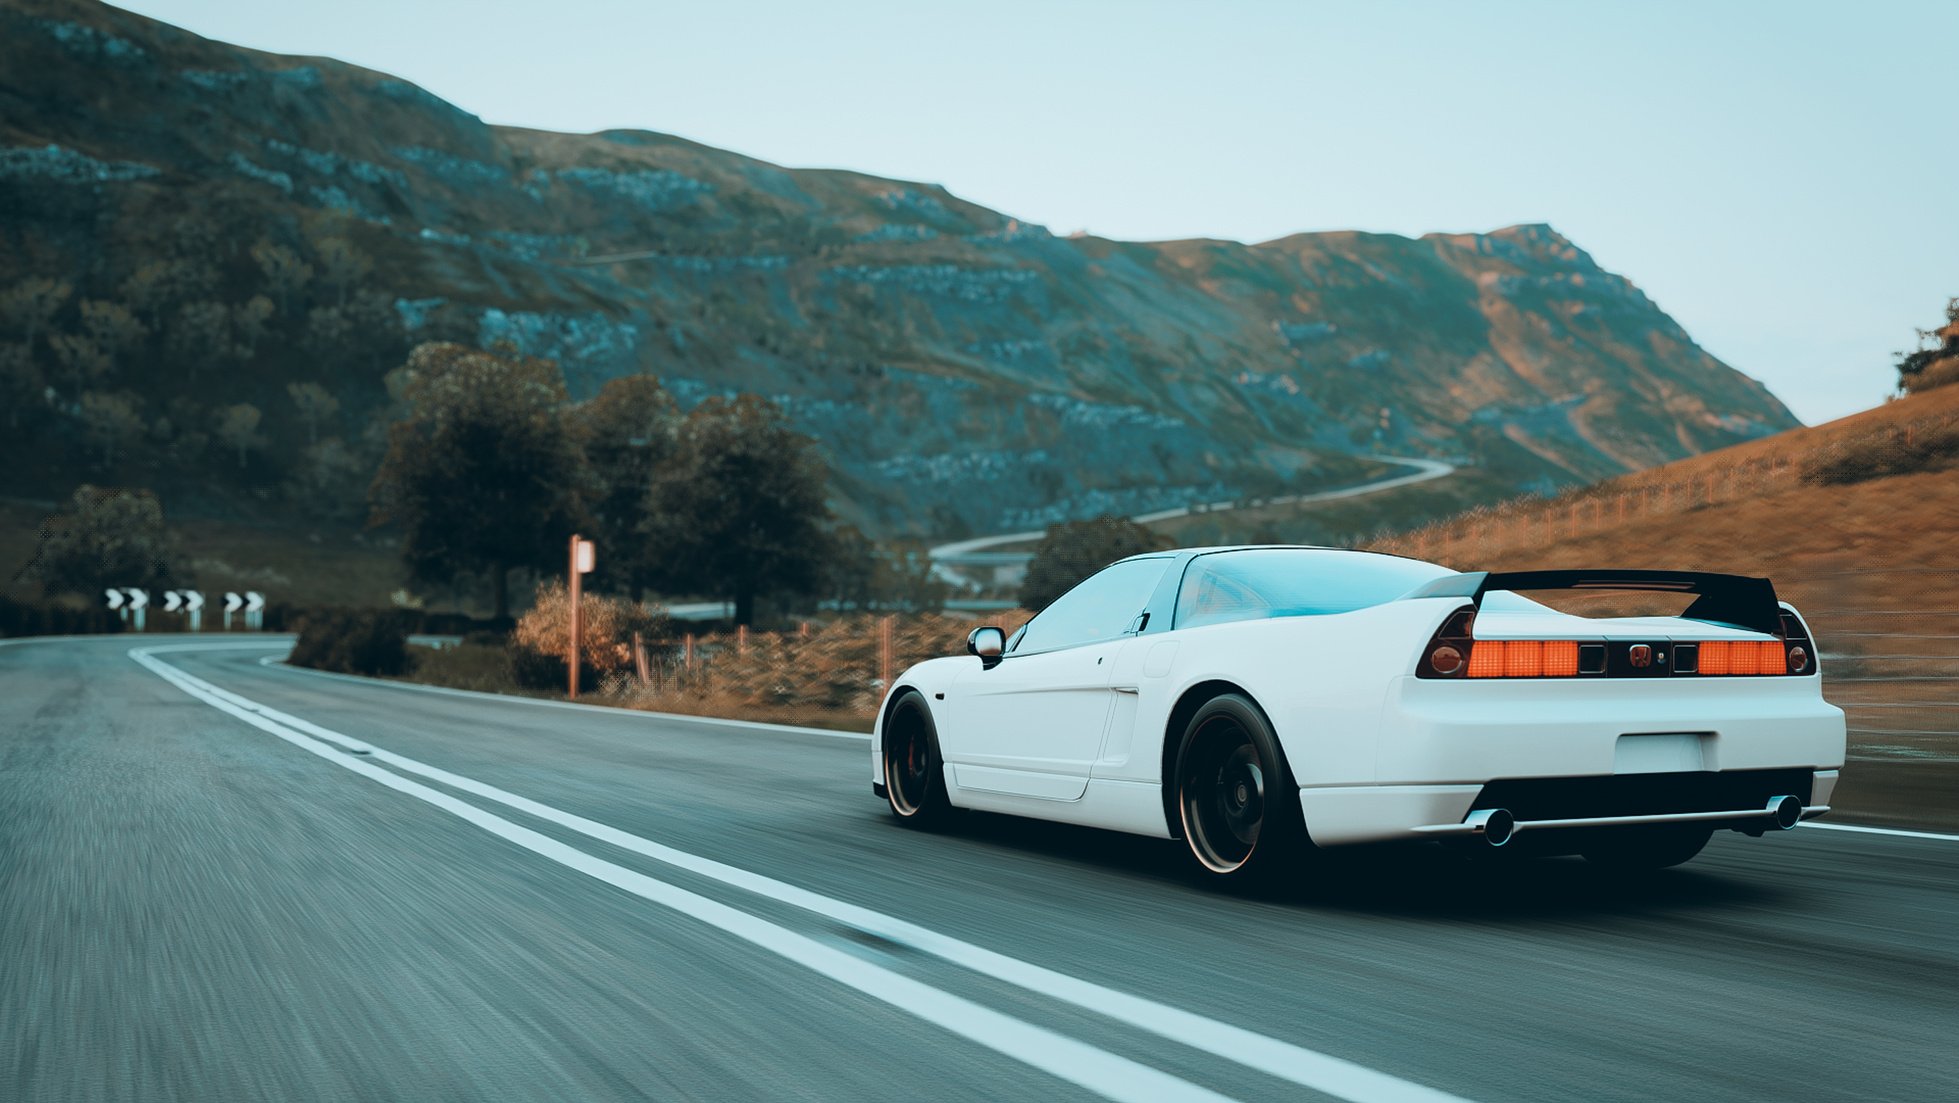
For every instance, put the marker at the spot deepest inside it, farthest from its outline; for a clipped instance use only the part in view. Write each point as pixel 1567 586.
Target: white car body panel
pixel 1079 735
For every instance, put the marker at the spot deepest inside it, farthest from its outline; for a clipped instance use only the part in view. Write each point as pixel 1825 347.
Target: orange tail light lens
pixel 1523 659
pixel 1743 657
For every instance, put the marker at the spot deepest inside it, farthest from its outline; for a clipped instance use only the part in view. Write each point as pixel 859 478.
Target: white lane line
pixel 273 662
pixel 1862 830
pixel 1079 1063
pixel 1308 1068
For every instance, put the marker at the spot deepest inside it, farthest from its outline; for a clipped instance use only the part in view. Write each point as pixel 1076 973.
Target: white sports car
pixel 1257 702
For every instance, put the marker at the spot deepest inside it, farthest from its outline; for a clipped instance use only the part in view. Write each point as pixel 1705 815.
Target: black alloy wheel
pixel 1236 800
pixel 914 779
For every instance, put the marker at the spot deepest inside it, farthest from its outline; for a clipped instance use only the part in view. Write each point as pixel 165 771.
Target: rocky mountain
pixel 965 371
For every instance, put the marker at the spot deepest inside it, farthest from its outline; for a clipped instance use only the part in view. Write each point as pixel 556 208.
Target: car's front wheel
pixel 1238 808
pixel 914 775
pixel 1656 847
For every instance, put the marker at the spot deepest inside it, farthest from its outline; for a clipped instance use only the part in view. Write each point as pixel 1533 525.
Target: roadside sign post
pixel 117 605
pixel 194 606
pixel 254 609
pixel 232 603
pixel 139 600
pixel 582 560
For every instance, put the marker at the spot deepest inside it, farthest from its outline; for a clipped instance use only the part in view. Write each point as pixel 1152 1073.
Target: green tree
pixel 199 333
pixel 113 328
pixel 237 427
pixel 29 306
pixel 741 513
pixel 112 422
pixel 248 324
pixel 284 272
pixel 1936 360
pixel 483 474
pixel 629 434
pixel 342 266
pixel 315 404
pixel 21 382
pixel 108 537
pixel 1073 550
pixel 82 360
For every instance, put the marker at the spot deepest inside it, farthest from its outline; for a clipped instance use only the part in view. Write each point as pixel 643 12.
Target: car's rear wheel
pixel 914 774
pixel 1235 797
pixel 1656 847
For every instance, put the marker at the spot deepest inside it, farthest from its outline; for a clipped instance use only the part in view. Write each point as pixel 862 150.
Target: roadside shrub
pixel 1936 374
pixel 537 645
pixel 352 642
pixel 1930 449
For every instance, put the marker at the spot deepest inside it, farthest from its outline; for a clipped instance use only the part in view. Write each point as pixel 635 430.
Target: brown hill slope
pixel 965 371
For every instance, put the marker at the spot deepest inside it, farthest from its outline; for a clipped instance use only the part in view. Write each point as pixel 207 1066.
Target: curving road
pixel 221 879
pixel 1424 470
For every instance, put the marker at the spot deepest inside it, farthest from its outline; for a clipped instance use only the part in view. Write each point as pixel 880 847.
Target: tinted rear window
pixel 1264 583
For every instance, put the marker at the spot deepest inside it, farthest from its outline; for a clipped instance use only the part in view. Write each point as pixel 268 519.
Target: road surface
pixel 223 880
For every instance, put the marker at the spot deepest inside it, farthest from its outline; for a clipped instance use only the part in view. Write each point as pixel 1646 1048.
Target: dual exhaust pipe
pixel 1496 826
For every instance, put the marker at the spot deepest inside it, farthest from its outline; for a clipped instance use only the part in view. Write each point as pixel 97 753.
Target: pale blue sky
pixel 1778 176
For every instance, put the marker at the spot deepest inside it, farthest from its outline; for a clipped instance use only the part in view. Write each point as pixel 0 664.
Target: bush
pixel 537 645
pixel 1927 449
pixel 1072 551
pixel 352 642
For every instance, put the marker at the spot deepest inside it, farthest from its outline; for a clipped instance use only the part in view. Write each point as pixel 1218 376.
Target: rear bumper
pixel 1575 754
pixel 1338 815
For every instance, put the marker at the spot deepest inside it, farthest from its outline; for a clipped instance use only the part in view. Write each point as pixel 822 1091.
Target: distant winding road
pixel 221 879
pixel 1425 470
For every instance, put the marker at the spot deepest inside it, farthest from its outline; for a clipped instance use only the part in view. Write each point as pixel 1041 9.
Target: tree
pixel 342 266
pixel 283 269
pixel 111 326
pixel 1073 550
pixel 21 383
pixel 112 422
pixel 315 404
pixel 199 333
pixel 482 474
pixel 1936 360
pixel 82 360
pixel 629 434
pixel 108 537
pixel 29 306
pixel 741 513
pixel 248 324
pixel 237 427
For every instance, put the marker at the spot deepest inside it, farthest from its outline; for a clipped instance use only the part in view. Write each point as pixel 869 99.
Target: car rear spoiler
pixel 1726 598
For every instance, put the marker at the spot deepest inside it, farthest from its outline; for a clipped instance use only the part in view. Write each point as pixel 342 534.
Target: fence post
pixel 884 652
pixel 741 639
pixel 688 654
pixel 639 659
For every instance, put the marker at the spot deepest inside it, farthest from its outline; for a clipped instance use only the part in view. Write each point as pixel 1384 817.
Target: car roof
pixel 1192 553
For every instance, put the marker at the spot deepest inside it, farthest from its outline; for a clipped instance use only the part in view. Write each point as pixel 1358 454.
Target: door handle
pixel 1127 689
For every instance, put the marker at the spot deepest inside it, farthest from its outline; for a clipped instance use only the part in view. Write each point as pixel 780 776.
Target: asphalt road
pixel 206 895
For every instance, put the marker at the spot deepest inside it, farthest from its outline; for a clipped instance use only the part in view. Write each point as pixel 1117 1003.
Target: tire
pixel 914 774
pixel 1235 799
pixel 1657 847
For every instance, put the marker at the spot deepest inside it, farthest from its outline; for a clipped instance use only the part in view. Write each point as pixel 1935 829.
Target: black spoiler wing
pixel 1726 598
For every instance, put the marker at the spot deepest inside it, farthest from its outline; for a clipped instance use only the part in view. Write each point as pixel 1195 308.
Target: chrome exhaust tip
pixel 1493 825
pixel 1787 812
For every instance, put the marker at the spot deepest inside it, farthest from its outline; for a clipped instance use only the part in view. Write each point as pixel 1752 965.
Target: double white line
pixel 1080 1063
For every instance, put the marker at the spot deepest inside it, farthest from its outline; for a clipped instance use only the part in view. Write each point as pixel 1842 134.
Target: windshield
pixel 1265 583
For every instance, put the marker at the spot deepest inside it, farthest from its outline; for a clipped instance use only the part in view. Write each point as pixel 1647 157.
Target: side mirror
pixel 988 643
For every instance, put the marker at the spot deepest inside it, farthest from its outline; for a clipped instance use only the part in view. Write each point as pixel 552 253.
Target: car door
pixel 1032 724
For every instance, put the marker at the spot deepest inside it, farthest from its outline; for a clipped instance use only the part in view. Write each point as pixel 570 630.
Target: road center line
pixel 1307 1068
pixel 1090 1067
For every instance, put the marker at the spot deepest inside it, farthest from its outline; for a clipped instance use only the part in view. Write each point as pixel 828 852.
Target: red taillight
pixel 1744 657
pixel 1523 659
